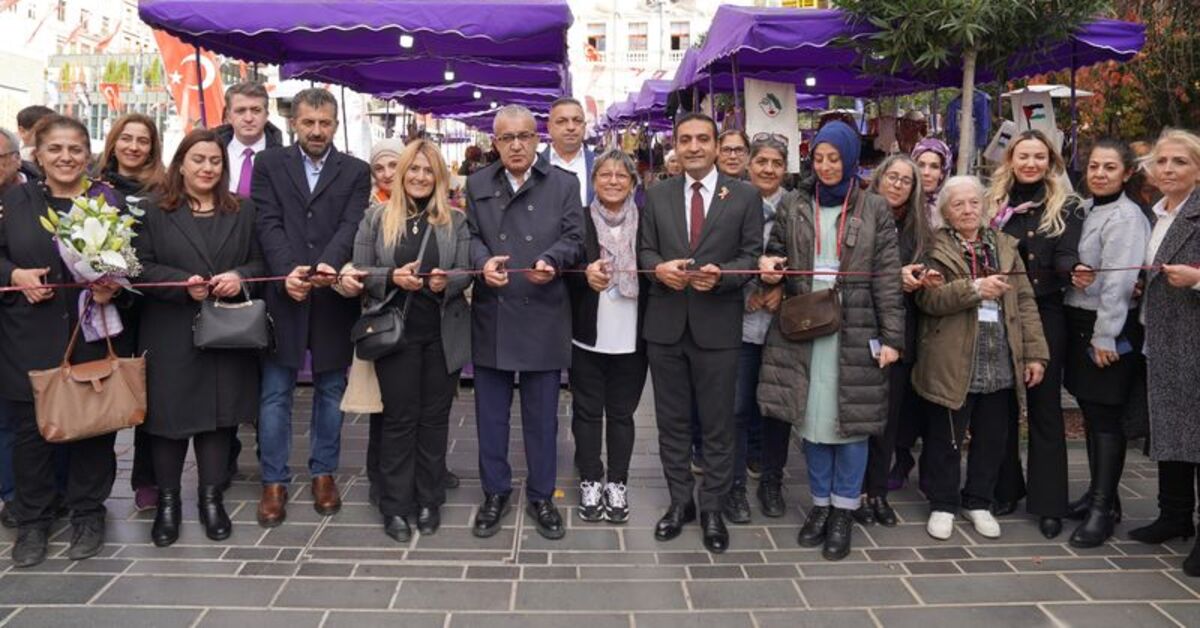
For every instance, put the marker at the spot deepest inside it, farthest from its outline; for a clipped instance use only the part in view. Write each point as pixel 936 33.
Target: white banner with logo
pixel 1034 110
pixel 771 109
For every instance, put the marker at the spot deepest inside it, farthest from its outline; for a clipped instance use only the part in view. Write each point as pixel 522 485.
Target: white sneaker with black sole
pixel 616 502
pixel 590 497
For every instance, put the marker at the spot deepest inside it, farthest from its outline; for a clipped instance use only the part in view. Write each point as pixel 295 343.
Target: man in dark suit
pixel 310 198
pixel 524 214
pixel 694 229
pixel 566 149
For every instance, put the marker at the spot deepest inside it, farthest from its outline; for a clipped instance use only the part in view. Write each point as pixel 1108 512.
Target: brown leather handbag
pixel 811 315
pixel 78 401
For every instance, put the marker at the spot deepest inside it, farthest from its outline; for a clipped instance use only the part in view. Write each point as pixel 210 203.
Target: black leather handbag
pixel 380 329
pixel 224 325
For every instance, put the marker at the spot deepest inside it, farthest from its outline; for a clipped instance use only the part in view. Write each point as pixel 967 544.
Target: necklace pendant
pixel 415 229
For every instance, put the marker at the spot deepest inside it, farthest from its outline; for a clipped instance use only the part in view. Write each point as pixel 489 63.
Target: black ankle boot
pixel 1077 510
pixel 837 535
pixel 1191 564
pixel 1108 451
pixel 212 514
pixel 165 530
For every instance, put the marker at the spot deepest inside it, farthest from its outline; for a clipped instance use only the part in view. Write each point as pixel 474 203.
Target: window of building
pixel 597 36
pixel 681 35
pixel 60 10
pixel 638 36
pixel 84 17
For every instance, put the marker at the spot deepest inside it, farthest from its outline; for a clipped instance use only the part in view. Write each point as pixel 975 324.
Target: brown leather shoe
pixel 326 500
pixel 271 511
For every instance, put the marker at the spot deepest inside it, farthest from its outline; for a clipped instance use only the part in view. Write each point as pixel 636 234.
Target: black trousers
pixel 678 371
pixel 1046 489
pixel 776 442
pixel 212 457
pixel 374 435
pixel 986 415
pixel 92 470
pixel 605 390
pixel 903 402
pixel 1103 417
pixel 142 473
pixel 1177 488
pixel 414 427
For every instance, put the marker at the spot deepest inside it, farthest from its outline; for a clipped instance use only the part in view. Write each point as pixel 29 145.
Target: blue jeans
pixel 275 422
pixel 835 472
pixel 748 446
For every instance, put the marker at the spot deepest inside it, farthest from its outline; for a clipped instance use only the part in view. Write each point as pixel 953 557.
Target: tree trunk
pixel 966 126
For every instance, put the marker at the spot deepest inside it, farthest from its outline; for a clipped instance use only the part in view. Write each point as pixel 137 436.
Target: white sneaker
pixel 985 524
pixel 940 525
pixel 616 502
pixel 590 508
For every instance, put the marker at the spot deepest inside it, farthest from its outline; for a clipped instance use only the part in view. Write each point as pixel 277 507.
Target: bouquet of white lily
pixel 95 240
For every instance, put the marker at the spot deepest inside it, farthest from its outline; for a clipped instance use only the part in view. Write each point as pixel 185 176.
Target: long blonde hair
pixel 1053 222
pixel 400 207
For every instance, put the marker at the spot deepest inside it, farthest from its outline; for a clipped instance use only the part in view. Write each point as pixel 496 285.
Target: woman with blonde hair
pixel 132 161
pixel 418 380
pixel 1170 309
pixel 1029 199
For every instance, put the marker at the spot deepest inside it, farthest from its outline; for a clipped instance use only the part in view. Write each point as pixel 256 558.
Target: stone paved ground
pixel 343 571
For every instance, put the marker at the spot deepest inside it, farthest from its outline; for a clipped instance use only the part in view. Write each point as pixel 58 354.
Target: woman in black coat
pixel 608 357
pixel 1031 202
pixel 197 233
pixel 35 328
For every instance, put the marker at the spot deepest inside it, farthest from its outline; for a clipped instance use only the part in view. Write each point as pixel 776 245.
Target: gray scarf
pixel 620 249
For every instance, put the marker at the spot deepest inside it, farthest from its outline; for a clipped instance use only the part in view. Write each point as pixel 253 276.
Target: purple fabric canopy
pixel 458 98
pixel 278 31
pixel 779 45
pixel 652 99
pixel 382 76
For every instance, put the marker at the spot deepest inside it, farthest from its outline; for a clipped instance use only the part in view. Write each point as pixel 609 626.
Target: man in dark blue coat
pixel 526 215
pixel 310 198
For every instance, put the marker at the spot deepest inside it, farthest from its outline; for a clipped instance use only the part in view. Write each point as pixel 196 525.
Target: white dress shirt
pixel 616 319
pixel 514 182
pixel 236 151
pixel 707 185
pixel 577 165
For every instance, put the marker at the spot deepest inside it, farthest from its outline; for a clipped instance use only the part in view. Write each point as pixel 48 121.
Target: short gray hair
pixel 314 97
pixel 513 111
pixel 11 139
pixel 618 156
pixel 955 182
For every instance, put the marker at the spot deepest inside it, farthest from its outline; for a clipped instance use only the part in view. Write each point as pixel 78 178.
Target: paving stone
pixel 581 596
pixel 185 567
pixel 191 591
pixel 814 619
pixel 1129 585
pixel 1093 614
pixel 492 572
pixel 87 617
pixel 268 569
pixel 523 620
pixel 896 554
pixel 984 566
pixel 684 558
pixel 447 572
pixel 27 588
pixel 389 619
pixel 715 572
pixel 451 595
pixel 845 568
pixel 991 589
pixel 931 567
pixel 856 592
pixel 538 572
pixel 576 539
pixel 1062 564
pixel 1018 551
pixel 998 616
pixel 1138 562
pixel 353 537
pixel 1186 613
pixel 739 558
pixel 222 618
pixel 693 619
pixel 761 572
pixel 734 594
pixel 327 593
pixel 943 553
pixel 100 565
pixel 657 572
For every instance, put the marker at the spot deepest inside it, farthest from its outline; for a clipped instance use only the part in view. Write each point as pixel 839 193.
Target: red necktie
pixel 243 188
pixel 697 215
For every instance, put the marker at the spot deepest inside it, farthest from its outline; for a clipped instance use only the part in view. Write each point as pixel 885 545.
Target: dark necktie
pixel 243 189
pixel 697 215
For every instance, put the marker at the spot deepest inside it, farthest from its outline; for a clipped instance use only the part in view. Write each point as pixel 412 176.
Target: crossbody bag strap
pixel 420 256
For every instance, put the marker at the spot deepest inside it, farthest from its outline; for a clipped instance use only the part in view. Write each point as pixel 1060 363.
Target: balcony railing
pixel 637 56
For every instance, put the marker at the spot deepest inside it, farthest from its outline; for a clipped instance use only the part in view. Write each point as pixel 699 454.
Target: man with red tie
pixel 695 228
pixel 246 132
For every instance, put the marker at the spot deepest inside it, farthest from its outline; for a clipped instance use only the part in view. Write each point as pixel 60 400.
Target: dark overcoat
pixel 301 228
pixel 35 337
pixel 1172 344
pixel 191 391
pixel 523 326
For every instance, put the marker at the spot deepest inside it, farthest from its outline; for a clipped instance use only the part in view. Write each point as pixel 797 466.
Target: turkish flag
pixel 112 94
pixel 183 68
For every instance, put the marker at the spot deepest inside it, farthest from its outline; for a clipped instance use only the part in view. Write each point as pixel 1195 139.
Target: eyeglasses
pixel 508 138
pixel 733 150
pixel 773 137
pixel 898 180
pixel 614 176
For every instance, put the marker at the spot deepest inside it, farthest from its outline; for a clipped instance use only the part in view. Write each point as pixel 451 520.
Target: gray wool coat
pixel 871 308
pixel 1172 344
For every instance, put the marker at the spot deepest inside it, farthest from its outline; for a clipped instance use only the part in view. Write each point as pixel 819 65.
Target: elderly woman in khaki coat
pixel 987 304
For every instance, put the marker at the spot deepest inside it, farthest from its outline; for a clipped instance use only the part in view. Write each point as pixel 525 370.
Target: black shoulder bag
pixel 380 329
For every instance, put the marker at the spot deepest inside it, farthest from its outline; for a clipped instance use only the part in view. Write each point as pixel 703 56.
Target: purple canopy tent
pixel 457 98
pixel 377 76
